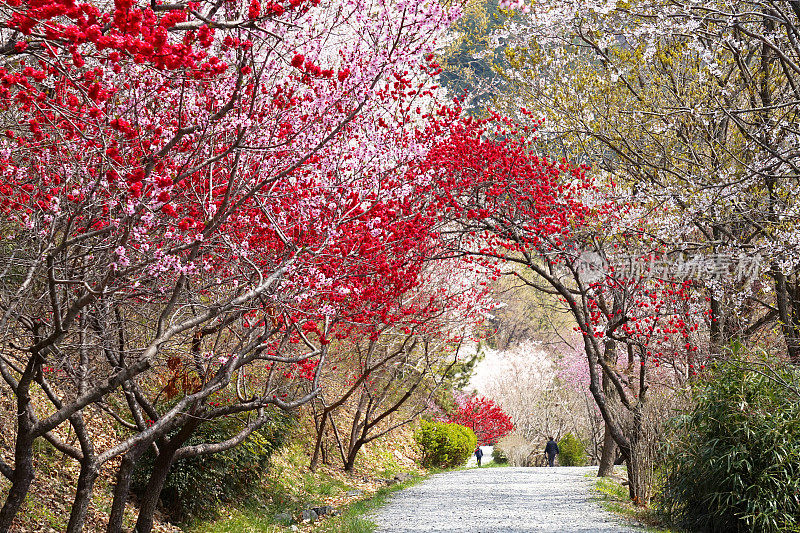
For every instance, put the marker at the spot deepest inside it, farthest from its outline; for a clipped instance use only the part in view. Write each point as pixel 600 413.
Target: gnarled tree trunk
pixel 161 466
pixel 608 456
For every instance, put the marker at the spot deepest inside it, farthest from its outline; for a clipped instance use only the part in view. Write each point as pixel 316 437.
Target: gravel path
pixel 500 500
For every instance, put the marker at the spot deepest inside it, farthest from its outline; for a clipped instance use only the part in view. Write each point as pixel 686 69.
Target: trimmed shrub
pixel 196 486
pixel 571 451
pixel 444 445
pixel 733 463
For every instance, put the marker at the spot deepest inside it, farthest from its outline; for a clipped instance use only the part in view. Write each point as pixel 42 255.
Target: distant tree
pixel 537 389
pixel 487 419
pixel 470 59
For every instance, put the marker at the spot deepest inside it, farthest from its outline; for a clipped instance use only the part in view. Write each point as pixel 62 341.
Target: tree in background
pixel 483 416
pixel 470 59
pixel 545 392
pixel 524 314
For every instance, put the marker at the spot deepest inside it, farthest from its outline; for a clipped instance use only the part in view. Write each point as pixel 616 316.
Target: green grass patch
pixel 253 518
pixel 287 486
pixel 353 518
pixel 614 497
pixel 492 464
pixel 257 515
pixel 249 519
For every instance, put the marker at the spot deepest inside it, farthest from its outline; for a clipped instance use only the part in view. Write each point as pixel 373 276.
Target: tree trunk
pixel 351 457
pixel 152 492
pixel 639 480
pixel 606 467
pixel 608 455
pixel 356 441
pixel 83 497
pixel 122 488
pixel 640 461
pixel 324 453
pixel 783 300
pixel 20 483
pixel 23 447
pixel 161 466
pixel 318 446
pixel 337 437
pixel 87 477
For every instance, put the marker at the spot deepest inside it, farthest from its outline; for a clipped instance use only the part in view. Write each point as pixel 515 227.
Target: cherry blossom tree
pixel 384 377
pixel 398 374
pixel 544 390
pixel 688 108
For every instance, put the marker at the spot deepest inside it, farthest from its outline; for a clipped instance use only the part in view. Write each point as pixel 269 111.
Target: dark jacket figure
pixel 551 450
pixel 478 454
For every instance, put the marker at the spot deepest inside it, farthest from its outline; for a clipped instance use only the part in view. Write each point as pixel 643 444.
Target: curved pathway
pixel 500 500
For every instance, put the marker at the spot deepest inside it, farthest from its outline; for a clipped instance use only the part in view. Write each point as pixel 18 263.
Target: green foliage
pixel 249 519
pixel 468 62
pixel 571 451
pixel 460 373
pixel 499 455
pixel 351 519
pixel 197 486
pixel 444 445
pixel 287 487
pixel 734 461
pixel 290 487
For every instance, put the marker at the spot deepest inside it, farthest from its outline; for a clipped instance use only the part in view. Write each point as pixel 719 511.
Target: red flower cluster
pixel 487 419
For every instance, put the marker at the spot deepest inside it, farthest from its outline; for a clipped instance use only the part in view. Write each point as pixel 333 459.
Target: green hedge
pixel 444 445
pixel 571 451
pixel 734 461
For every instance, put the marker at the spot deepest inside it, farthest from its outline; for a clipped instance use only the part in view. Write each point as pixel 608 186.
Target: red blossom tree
pixel 487 419
pixel 547 221
pixel 387 376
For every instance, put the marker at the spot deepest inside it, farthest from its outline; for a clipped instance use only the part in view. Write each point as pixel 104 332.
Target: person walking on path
pixel 551 450
pixel 478 455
